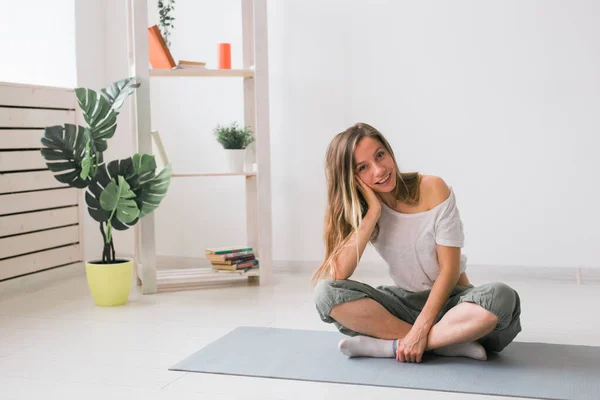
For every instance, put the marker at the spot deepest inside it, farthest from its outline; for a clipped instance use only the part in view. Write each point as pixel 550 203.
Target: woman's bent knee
pixel 329 293
pixel 506 304
pixel 504 301
pixel 499 299
pixel 324 299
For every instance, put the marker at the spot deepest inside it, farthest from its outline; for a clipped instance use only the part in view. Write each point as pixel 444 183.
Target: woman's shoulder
pixel 434 191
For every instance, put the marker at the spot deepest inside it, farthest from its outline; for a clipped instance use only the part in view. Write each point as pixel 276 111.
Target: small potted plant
pixel 234 140
pixel 119 193
pixel 166 19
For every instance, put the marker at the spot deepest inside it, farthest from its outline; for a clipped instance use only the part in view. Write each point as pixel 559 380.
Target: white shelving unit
pixel 215 73
pixel 256 114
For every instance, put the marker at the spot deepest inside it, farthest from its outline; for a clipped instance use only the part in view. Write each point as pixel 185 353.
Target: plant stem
pixel 108 249
pixel 103 243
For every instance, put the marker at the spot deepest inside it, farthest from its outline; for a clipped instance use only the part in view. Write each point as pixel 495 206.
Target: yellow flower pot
pixel 110 284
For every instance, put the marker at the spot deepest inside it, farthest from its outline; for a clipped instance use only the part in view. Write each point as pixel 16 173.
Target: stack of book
pixel 190 64
pixel 236 258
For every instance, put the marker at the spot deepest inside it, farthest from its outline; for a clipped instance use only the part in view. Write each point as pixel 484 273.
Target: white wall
pixel 499 99
pixel 35 48
pixel 311 86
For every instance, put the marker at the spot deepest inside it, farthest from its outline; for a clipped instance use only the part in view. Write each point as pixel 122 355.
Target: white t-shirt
pixel 407 242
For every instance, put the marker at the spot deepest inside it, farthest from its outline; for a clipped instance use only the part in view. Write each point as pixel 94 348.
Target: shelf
pixel 192 174
pixel 253 73
pixel 199 72
pixel 190 277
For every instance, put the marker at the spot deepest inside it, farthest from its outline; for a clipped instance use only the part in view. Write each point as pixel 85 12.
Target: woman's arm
pixel 347 259
pixel 412 346
pixel 346 262
pixel 449 260
pixel 436 191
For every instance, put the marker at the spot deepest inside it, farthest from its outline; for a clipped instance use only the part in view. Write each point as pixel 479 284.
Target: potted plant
pixel 119 193
pixel 234 140
pixel 166 19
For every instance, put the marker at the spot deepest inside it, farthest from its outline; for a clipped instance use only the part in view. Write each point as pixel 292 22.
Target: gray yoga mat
pixel 538 370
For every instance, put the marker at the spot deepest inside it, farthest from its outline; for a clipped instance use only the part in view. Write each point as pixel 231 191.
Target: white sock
pixel 470 349
pixel 366 346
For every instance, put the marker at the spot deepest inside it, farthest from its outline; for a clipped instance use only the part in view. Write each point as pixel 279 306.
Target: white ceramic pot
pixel 235 160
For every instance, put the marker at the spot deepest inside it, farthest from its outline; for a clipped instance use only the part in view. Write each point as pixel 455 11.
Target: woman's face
pixel 374 165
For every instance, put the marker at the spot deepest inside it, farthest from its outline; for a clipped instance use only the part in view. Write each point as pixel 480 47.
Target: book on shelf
pixel 246 265
pixel 183 64
pixel 160 55
pixel 228 250
pixel 230 258
pixel 158 51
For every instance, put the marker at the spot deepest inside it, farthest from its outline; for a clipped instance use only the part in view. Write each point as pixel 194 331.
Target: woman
pixel 413 222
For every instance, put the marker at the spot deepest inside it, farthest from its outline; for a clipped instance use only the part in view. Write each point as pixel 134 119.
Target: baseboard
pixel 479 271
pixel 39 280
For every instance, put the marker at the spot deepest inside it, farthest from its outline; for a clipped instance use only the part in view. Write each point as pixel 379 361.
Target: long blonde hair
pixel 346 206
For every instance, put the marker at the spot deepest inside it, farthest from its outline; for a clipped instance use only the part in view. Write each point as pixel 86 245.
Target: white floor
pixel 56 344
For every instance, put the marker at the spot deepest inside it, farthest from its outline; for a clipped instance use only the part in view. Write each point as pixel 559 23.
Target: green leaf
pixel 119 91
pixel 86 163
pixel 149 189
pixel 103 177
pixel 145 167
pixel 108 231
pixel 94 208
pixel 99 115
pixel 117 198
pixel 155 190
pixel 64 148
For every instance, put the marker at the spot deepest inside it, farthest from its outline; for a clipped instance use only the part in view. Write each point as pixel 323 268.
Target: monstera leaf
pixel 139 173
pixel 145 166
pixel 99 115
pixel 154 191
pixel 100 110
pixel 118 92
pixel 117 198
pixel 67 150
pixel 104 177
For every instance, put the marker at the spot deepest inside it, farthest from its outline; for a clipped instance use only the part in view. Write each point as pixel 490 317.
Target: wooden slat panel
pixel 29 242
pixel 39 261
pixel 23 223
pixel 21 138
pixel 12 94
pixel 21 160
pixel 33 118
pixel 22 181
pixel 32 201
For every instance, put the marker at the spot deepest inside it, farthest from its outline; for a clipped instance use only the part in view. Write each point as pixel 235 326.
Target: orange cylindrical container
pixel 224 56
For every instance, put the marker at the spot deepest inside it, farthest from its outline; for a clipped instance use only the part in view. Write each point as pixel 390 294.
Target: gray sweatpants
pixel 498 298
